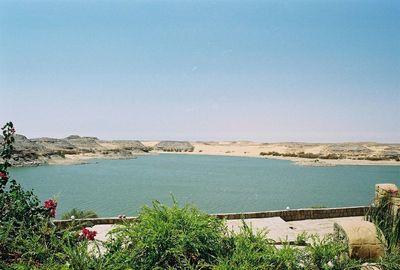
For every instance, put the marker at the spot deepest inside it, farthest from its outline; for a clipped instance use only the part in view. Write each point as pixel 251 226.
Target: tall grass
pixel 387 219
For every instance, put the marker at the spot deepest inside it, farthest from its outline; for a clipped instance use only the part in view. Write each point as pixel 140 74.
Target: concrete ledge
pixel 287 215
pixel 300 214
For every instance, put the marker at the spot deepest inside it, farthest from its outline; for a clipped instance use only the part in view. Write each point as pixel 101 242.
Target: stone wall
pixel 301 214
pixel 287 215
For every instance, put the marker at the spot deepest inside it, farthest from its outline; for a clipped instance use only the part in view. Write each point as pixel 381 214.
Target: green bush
pixel 308 155
pixel 374 158
pixel 326 253
pixel 78 213
pixel 167 237
pixel 249 250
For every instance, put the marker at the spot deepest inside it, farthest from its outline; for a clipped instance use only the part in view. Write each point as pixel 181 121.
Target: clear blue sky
pixel 202 70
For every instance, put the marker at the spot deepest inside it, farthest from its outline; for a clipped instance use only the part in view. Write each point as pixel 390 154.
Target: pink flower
pixel 51 205
pixel 88 234
pixel 393 191
pixel 12 130
pixel 3 176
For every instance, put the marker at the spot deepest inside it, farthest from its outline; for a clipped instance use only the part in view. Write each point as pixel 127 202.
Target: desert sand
pixel 253 149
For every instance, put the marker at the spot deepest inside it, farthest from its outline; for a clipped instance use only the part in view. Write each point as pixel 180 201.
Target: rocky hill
pixel 39 151
pixel 174 146
pixel 359 151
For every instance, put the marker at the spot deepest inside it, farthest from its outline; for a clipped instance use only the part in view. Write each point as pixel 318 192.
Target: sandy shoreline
pixel 241 149
pixel 298 161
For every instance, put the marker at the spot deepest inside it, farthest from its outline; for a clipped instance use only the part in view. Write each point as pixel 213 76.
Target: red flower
pixel 51 205
pixel 88 234
pixel 3 176
pixel 12 130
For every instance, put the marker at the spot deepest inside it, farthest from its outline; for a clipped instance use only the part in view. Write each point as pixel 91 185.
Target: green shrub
pixel 249 250
pixel 374 158
pixel 331 156
pixel 78 213
pixel 326 253
pixel 246 250
pixel 307 155
pixel 167 237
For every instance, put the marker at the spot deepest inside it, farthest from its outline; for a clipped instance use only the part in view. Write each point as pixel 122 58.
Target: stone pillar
pixel 382 190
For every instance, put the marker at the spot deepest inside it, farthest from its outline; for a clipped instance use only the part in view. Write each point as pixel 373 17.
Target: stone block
pixel 361 237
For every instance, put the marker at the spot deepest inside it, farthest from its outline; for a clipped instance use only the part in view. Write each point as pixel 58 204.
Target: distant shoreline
pixel 251 149
pixel 78 150
pixel 298 161
pixel 314 162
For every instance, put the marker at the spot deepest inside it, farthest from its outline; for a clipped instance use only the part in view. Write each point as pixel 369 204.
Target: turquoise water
pixel 214 183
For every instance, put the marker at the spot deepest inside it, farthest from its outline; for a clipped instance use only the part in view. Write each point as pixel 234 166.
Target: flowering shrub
pixel 88 234
pixel 8 131
pixel 51 205
pixel 26 232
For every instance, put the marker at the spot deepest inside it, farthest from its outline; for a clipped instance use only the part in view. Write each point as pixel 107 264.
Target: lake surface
pixel 213 183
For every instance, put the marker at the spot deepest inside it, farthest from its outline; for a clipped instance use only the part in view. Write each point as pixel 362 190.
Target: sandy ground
pixel 252 149
pixel 85 158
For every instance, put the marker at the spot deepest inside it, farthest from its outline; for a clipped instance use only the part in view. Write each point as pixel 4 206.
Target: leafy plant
pixel 78 213
pixel 326 253
pixel 250 250
pixel 167 237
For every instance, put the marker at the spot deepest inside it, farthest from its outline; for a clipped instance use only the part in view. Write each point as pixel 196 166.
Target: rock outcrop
pixel 84 144
pixel 174 146
pixel 39 151
pixel 354 151
pixel 28 152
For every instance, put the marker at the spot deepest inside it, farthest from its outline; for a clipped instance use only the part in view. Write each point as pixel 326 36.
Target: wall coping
pixel 287 215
